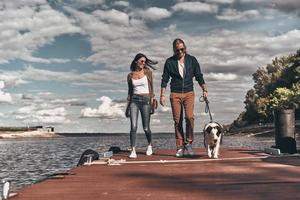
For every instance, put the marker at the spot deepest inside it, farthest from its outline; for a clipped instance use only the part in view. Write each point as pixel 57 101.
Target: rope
pixel 123 161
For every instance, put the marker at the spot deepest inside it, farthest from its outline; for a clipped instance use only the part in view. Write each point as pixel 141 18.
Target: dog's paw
pixel 215 156
pixel 209 154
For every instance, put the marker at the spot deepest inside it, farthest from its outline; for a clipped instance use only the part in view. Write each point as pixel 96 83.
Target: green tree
pixel 271 83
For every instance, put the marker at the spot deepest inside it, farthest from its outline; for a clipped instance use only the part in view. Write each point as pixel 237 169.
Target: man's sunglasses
pixel 182 50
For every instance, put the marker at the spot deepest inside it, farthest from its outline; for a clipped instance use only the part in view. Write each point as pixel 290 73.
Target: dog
pixel 212 138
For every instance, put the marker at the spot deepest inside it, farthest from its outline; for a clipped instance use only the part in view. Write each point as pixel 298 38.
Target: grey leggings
pixel 139 103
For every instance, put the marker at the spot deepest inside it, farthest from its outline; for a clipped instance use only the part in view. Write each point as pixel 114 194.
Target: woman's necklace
pixel 138 74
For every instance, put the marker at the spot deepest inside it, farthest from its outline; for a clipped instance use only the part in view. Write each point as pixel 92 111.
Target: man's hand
pixel 205 93
pixel 162 100
pixel 204 89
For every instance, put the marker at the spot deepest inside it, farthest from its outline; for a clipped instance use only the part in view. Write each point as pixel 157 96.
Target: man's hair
pixel 178 41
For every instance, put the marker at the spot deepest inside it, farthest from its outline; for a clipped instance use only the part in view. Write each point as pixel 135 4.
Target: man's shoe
pixel 189 150
pixel 149 151
pixel 179 153
pixel 133 153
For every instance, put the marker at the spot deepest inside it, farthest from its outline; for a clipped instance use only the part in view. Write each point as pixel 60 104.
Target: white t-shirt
pixel 140 86
pixel 181 69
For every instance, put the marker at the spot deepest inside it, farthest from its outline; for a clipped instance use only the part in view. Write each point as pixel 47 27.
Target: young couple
pixel 181 68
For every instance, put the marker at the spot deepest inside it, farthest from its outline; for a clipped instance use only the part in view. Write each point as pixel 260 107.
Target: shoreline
pixel 27 134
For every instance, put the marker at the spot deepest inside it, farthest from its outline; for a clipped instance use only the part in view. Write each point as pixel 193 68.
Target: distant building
pixel 49 129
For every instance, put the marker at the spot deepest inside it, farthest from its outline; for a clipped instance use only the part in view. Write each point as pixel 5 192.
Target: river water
pixel 27 161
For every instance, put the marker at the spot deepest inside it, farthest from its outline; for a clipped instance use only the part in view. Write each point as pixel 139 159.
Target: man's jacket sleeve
pixel 197 72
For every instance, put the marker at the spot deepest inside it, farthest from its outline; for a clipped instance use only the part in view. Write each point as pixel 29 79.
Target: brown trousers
pixel 183 102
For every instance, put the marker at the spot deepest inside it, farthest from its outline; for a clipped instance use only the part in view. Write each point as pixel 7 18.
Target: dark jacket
pixel 179 84
pixel 148 73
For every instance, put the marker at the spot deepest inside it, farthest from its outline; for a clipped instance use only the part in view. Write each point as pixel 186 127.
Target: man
pixel 182 68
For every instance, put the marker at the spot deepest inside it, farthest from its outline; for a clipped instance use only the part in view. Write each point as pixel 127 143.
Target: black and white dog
pixel 212 138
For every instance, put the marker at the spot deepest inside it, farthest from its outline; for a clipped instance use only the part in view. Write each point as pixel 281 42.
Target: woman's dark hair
pixel 177 41
pixel 148 62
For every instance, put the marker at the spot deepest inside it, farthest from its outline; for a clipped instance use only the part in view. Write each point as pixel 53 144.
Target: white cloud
pixel 240 52
pixel 165 109
pixel 39 110
pixel 71 101
pixel 222 55
pixel 30 58
pixel 100 76
pixel 106 109
pixel 284 41
pixel 26 109
pixel 195 7
pixel 35 114
pixel 47 120
pixel 28 26
pixel 112 16
pixel 287 6
pixel 107 39
pixel 253 1
pixel 153 13
pixel 60 111
pixel 222 1
pixel 220 76
pixel 121 3
pixel 2 85
pixel 232 14
pixel 11 79
pixel 155 121
pixel 205 114
pixel 94 80
pixel 4 97
pixel 17 3
pixel 85 3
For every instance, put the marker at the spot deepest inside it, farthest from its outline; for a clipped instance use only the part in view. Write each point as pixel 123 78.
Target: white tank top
pixel 140 86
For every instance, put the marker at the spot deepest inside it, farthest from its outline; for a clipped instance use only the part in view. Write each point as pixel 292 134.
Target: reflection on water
pixel 26 161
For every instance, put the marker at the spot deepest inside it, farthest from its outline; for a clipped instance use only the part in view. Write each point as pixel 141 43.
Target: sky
pixel 65 63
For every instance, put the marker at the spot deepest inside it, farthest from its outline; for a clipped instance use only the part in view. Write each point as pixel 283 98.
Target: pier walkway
pixel 240 174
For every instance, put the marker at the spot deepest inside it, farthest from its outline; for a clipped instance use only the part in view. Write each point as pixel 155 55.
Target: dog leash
pixel 207 109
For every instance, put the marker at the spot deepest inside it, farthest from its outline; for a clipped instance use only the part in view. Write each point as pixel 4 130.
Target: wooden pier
pixel 239 174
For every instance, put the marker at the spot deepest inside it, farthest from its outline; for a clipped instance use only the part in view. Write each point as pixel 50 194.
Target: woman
pixel 140 94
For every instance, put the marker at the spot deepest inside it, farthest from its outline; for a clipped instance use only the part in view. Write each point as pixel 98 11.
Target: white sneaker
pixel 133 153
pixel 179 153
pixel 149 151
pixel 188 150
